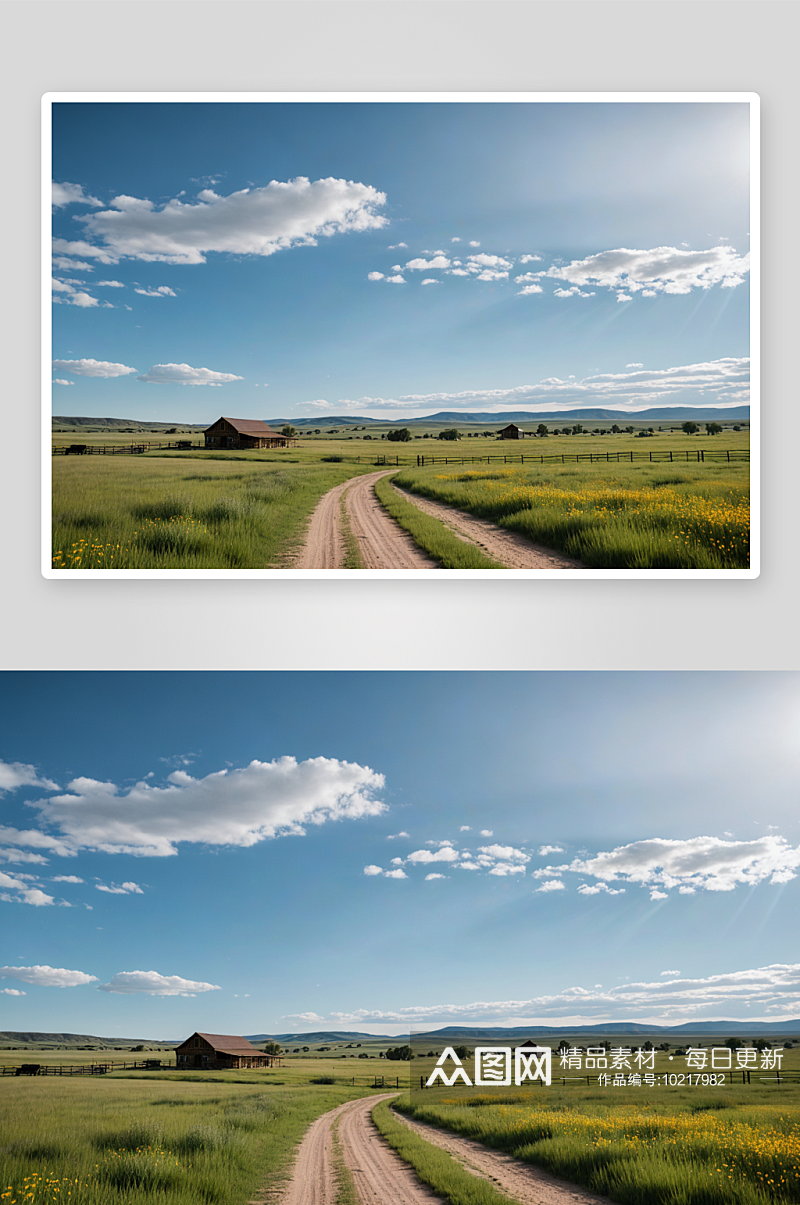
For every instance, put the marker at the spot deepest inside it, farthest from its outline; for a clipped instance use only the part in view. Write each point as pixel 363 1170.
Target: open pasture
pixel 107 1141
pixel 730 1146
pixel 618 515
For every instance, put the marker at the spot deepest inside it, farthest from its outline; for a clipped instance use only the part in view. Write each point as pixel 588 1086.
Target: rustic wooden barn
pixel 243 433
pixel 511 432
pixel 220 1051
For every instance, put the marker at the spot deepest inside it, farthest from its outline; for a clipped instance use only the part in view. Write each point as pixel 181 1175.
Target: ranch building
pixel 243 433
pixel 511 432
pixel 220 1052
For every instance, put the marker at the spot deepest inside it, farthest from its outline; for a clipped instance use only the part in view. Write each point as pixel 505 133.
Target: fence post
pixel 727 453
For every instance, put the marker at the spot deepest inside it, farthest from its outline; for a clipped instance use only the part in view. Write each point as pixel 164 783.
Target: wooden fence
pixel 688 455
pixel 118 449
pixel 85 1068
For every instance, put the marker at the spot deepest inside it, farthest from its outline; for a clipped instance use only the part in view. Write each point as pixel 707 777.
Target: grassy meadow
pixel 198 509
pixel 667 1146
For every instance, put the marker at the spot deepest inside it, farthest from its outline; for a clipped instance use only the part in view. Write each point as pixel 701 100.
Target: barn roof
pixel 229 1043
pixel 247 426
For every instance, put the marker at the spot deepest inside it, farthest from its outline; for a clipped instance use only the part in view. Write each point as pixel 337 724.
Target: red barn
pixel 220 1051
pixel 243 433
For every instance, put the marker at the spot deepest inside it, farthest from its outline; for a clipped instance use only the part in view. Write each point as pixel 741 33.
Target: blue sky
pixel 395 259
pixel 272 852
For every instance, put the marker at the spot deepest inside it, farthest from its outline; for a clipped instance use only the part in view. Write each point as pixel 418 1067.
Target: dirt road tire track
pixel 382 1178
pixel 521 1181
pixel 510 548
pixel 383 544
pixel 380 1175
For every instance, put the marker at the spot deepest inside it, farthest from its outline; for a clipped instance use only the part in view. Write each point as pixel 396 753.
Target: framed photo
pixel 465 334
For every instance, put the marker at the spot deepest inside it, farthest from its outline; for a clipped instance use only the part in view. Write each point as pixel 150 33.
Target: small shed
pixel 243 433
pixel 511 432
pixel 220 1051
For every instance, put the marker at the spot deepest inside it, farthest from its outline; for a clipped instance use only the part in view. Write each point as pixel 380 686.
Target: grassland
pixel 730 1146
pixel 199 509
pixel 108 1141
pixel 430 534
pixel 619 516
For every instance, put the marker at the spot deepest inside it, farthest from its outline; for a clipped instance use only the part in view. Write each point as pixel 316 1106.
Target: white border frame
pixel 750 98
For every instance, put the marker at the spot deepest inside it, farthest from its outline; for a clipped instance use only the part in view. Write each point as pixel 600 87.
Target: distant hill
pixel 30 1038
pixel 114 424
pixel 664 414
pixel 322 1035
pixel 712 1028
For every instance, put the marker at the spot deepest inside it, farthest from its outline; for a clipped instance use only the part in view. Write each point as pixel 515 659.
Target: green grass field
pixel 665 1146
pixel 200 509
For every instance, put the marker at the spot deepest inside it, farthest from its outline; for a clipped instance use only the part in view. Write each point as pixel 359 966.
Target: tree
pixel 541 430
pixel 713 428
pixel 401 435
pixel 288 431
pixel 450 433
pixel 272 1048
pixel 615 429
pixel 734 1043
pixel 690 428
pixel 400 1053
pixel 462 1052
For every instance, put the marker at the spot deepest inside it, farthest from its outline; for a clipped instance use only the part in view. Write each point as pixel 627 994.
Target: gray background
pixel 442 46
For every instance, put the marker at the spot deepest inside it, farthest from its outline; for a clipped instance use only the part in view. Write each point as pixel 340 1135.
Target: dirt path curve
pixel 382 1178
pixel 384 544
pixel 510 548
pixel 379 1174
pixel 521 1181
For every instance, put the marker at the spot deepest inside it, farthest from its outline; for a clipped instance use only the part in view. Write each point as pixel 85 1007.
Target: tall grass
pixel 681 1150
pixel 618 516
pixel 434 1166
pixel 431 535
pixel 168 513
pixel 110 1142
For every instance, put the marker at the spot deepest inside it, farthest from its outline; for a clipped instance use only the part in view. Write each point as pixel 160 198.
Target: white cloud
pixel 623 297
pixel 81 299
pixel 16 774
pixel 573 292
pixel 465 828
pixel 455 240
pixel 429 280
pixel 184 374
pixel 395 280
pixel 127 983
pixel 544 850
pixel 428 877
pixel 376 276
pixel 474 243
pixel 394 836
pixel 306 1016
pixel 529 290
pixel 395 874
pixel 445 853
pixel 239 807
pixel 66 878
pixel 486 832
pixel 371 870
pixel 58 381
pixel 71 265
pixel 160 291
pixel 72 194
pixel 11 991
pixel 45 976
pixel 253 221
pixel 425 265
pixel 552 885
pixel 92 368
pixel 476 262
pixel 721 382
pixel 397 246
pixel 529 259
pixel 671 973
pixel 19 855
pixel 699 863
pixel 597 888
pixel 634 365
pixel 115 284
pixel 26 893
pixel 124 889
pixel 660 270
pixel 772 990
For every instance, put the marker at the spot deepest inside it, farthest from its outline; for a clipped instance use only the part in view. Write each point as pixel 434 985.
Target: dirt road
pixel 382 1178
pixel 384 544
